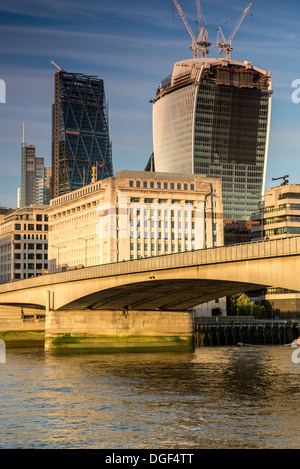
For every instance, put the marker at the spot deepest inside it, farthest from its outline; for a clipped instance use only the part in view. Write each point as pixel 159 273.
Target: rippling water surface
pixel 221 397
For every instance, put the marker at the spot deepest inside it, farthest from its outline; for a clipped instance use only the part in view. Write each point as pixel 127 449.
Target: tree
pixel 240 304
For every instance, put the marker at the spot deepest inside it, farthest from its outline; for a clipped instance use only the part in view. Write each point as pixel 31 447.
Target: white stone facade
pixel 132 215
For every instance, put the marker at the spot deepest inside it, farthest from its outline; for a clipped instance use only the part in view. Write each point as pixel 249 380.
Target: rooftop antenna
pixel 202 39
pixel 224 45
pixel 23 133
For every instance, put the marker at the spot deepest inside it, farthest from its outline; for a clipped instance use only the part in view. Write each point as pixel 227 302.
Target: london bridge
pixel 149 301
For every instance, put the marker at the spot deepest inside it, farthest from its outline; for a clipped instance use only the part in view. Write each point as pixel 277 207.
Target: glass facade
pixel 175 139
pixel 80 132
pixel 27 174
pixel 214 120
pixel 35 178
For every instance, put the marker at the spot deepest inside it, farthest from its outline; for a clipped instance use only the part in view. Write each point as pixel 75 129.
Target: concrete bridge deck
pixel 170 282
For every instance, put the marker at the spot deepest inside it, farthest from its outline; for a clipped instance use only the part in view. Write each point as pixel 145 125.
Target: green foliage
pixel 276 313
pixel 240 304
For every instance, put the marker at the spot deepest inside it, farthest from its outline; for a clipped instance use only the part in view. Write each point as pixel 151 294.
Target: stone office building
pixel 132 215
pixel 23 243
pixel 279 217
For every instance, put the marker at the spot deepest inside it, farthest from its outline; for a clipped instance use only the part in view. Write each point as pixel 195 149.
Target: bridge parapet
pixel 222 254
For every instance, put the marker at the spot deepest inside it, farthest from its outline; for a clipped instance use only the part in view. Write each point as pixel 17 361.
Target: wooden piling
pixel 223 331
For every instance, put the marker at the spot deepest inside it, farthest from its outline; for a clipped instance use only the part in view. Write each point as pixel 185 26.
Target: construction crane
pixel 224 45
pixel 53 63
pixel 202 39
pixel 284 179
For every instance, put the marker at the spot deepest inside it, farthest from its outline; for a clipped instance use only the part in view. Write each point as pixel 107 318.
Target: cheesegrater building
pixel 80 135
pixel 212 117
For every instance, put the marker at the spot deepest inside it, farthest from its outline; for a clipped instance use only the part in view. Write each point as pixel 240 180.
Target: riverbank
pixel 22 327
pixel 23 338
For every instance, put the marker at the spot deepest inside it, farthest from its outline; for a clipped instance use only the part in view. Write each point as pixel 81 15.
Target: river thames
pixel 213 398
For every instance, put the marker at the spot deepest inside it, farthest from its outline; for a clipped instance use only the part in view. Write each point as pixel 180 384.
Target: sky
pixel 133 45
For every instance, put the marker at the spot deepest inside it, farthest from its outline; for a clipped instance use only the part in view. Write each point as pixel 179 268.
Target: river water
pixel 213 398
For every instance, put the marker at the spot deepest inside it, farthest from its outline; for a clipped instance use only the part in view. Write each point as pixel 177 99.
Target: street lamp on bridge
pixel 86 241
pixel 58 250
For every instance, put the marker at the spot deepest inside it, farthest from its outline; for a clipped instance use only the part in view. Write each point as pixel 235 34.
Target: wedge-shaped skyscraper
pixel 212 117
pixel 80 135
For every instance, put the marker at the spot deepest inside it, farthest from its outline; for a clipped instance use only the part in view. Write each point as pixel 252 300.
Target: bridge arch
pixel 165 294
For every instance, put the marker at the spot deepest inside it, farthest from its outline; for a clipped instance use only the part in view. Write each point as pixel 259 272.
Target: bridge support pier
pixel 118 330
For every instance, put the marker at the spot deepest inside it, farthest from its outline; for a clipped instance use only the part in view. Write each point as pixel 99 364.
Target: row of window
pixel 30 266
pixel 269 221
pixel 30 256
pixel 165 214
pixel 18 246
pixel 136 223
pixel 272 208
pixel 283 230
pixel 25 266
pixel 161 235
pixel 167 249
pixel 160 185
pixel 38 217
pixel 180 239
pixel 289 195
pixel 31 227
pixel 31 246
pixel 18 237
pixel 159 201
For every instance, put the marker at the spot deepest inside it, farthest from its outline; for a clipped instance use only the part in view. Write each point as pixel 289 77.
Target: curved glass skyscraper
pixel 212 117
pixel 80 137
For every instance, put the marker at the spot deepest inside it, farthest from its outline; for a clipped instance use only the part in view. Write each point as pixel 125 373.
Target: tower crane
pixel 284 179
pixel 222 44
pixel 53 63
pixel 202 39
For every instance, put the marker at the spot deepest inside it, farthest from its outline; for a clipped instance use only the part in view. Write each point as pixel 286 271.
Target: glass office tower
pixel 28 174
pixel 80 135
pixel 212 117
pixel 35 179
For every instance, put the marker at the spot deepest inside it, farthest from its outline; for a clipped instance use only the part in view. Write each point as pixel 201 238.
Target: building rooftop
pixel 214 70
pixel 12 214
pixel 205 61
pixel 158 175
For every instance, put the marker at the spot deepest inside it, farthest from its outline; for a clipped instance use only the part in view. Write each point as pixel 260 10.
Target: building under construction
pixel 211 116
pixel 80 135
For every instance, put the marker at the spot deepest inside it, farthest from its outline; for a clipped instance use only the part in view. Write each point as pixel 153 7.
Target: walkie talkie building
pixel 212 117
pixel 80 135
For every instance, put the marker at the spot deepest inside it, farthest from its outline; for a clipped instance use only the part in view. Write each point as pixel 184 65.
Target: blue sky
pixel 132 45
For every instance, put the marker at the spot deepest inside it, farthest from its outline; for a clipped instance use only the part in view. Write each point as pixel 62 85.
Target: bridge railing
pixel 237 252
